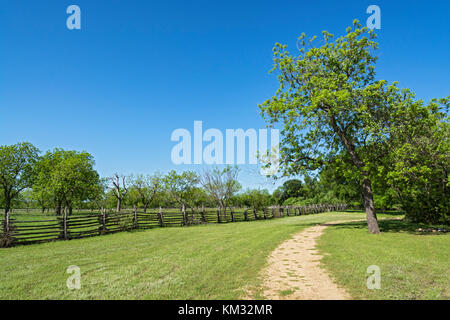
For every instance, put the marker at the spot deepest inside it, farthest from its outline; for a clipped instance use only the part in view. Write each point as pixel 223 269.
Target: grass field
pixel 412 265
pixel 213 261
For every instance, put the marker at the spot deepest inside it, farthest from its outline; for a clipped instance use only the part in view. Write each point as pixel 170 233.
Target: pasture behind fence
pixel 65 227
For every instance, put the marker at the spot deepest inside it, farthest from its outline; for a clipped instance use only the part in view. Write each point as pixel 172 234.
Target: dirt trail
pixel 294 270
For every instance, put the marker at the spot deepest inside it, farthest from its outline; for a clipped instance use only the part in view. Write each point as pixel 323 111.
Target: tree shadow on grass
pixel 396 226
pixel 388 212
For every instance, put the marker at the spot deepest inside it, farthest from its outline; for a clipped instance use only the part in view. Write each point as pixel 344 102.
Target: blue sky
pixel 137 70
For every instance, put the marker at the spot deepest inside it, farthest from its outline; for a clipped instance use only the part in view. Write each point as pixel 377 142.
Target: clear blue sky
pixel 137 70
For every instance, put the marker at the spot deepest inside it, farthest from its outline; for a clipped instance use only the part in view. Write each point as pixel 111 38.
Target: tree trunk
pixel 7 204
pixel 366 184
pixel 58 209
pixel 119 204
pixel 369 206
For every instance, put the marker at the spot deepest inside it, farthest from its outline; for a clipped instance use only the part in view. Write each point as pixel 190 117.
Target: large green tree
pixel 331 104
pixel 66 178
pixel 16 170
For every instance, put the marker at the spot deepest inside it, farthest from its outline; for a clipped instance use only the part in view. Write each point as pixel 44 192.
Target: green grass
pixel 412 265
pixel 213 261
pixel 222 261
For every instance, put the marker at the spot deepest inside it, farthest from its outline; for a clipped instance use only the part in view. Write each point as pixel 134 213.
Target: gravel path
pixel 294 271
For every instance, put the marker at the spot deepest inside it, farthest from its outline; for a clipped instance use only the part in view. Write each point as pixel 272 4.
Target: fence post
pixel 161 217
pixel 265 213
pixel 6 240
pixel 65 223
pixel 7 223
pixel 8 228
pixel 232 214
pixel 135 218
pixel 203 214
pixel 103 221
pixel 273 212
pixel 218 215
pixel 183 215
pixel 245 214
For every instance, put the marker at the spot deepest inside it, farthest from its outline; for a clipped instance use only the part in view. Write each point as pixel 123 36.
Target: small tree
pixel 257 199
pixel 16 170
pixel 147 187
pixel 120 190
pixel 221 185
pixel 180 186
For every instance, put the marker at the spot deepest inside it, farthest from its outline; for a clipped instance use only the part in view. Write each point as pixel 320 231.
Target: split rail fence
pixel 76 226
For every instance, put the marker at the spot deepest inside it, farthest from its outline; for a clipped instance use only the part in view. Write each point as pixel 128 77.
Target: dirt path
pixel 294 270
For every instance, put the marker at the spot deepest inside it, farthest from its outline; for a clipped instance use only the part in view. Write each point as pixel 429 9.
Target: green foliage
pixel 337 116
pixel 16 170
pixel 221 185
pixel 257 199
pixel 66 178
pixel 340 178
pixel 110 200
pixel 198 197
pixel 290 189
pixel 328 100
pixel 330 188
pixel 418 168
pixel 146 189
pixel 180 186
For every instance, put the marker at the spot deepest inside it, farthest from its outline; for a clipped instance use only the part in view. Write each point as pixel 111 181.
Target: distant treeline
pixel 66 180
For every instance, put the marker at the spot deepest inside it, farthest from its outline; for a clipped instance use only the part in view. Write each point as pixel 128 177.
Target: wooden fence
pixel 65 227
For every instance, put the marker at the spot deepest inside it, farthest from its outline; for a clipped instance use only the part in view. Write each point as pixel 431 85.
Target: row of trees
pixel 56 179
pixel 67 179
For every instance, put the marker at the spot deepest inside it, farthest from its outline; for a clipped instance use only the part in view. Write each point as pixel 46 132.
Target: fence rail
pixel 66 227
